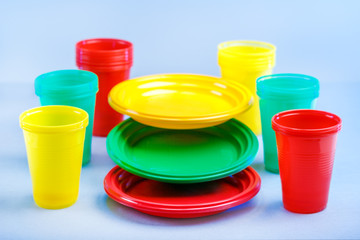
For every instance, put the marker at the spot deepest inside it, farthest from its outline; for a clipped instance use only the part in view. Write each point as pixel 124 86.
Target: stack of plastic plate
pixel 181 131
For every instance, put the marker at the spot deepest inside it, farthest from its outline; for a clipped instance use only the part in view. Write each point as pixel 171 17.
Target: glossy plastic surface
pixel 306 142
pixel 182 156
pixel 54 138
pixel 75 88
pixel 111 60
pixel 104 54
pixel 244 62
pixel 277 93
pixel 181 201
pixel 180 101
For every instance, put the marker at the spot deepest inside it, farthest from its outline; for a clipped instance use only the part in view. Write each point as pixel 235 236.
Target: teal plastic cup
pixel 277 93
pixel 75 88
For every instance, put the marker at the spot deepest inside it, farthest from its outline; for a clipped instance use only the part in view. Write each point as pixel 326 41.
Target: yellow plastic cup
pixel 54 139
pixel 245 61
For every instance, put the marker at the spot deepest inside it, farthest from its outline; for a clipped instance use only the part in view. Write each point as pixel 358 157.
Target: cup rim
pixel 81 45
pixel 76 125
pixel 265 89
pixel 334 128
pixel 44 84
pixel 270 47
pixel 104 59
pixel 248 61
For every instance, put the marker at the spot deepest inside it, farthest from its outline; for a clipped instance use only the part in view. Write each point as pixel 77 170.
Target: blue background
pixel 319 38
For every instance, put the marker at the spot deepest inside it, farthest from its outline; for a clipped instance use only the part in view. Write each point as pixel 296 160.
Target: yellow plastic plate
pixel 180 101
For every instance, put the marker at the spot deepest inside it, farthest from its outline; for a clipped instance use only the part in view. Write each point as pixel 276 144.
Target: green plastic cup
pixel 75 88
pixel 277 93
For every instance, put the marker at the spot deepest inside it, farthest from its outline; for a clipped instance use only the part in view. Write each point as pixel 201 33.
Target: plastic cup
pixel 54 139
pixel 277 93
pixel 75 88
pixel 111 60
pixel 245 61
pixel 306 142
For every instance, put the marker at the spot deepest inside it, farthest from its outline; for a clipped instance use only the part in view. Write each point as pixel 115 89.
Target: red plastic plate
pixel 181 200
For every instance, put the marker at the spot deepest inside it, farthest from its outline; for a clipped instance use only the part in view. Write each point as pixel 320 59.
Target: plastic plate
pixel 180 101
pixel 181 201
pixel 182 156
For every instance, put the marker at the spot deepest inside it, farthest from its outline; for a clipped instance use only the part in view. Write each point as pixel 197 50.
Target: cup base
pixel 52 206
pixel 100 134
pixel 51 201
pixel 85 163
pixel 86 158
pixel 271 161
pixel 304 209
pixel 272 170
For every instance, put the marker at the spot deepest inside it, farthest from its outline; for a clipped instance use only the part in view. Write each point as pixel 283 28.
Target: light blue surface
pixel 318 38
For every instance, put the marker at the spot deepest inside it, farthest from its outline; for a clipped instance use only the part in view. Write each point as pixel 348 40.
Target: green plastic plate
pixel 182 156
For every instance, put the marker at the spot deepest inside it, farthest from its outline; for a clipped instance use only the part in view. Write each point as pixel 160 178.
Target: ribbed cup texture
pixel 111 60
pixel 250 55
pixel 104 54
pixel 305 164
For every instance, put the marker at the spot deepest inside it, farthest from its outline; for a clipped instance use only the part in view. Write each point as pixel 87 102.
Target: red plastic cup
pixel 306 142
pixel 110 60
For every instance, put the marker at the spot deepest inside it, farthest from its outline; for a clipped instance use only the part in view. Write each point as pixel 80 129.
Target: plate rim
pixel 125 199
pixel 214 117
